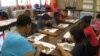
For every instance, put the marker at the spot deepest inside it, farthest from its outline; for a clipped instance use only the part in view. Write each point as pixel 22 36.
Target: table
pixel 7 24
pixel 53 40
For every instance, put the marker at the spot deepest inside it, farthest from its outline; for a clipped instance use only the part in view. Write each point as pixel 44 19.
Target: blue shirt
pixel 16 45
pixel 42 26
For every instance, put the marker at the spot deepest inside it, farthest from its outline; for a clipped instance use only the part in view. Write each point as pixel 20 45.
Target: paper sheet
pixel 52 30
pixel 50 47
pixel 67 46
pixel 67 35
pixel 72 20
pixel 75 21
pixel 37 36
pixel 63 25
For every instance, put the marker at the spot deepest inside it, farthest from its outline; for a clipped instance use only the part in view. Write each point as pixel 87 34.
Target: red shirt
pixel 1 18
pixel 63 16
pixel 91 36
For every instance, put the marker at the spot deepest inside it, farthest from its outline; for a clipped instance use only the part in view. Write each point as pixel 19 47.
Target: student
pixel 91 35
pixel 15 44
pixel 34 30
pixel 57 19
pixel 96 24
pixel 3 15
pixel 44 23
pixel 79 38
pixel 27 12
pixel 64 14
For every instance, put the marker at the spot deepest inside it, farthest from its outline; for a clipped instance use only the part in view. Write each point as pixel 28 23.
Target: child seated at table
pixel 80 48
pixel 57 19
pixel 64 14
pixel 43 23
pixel 96 24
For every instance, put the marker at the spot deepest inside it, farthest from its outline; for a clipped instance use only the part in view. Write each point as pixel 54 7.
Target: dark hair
pixel 56 14
pixel 65 10
pixel 98 15
pixel 23 20
pixel 78 34
pixel 4 14
pixel 48 9
pixel 86 20
pixel 45 17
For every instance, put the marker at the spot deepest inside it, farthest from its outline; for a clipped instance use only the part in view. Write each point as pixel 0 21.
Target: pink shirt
pixel 96 24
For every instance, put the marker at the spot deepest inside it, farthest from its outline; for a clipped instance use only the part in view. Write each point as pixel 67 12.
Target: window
pixel 23 2
pixel 8 2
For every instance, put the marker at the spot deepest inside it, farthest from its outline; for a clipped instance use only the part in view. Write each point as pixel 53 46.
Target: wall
pixel 63 3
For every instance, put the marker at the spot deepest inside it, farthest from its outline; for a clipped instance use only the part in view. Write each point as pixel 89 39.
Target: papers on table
pixel 7 22
pixel 75 20
pixel 67 35
pixel 63 25
pixel 49 47
pixel 69 20
pixel 52 30
pixel 67 46
pixel 72 20
pixel 36 37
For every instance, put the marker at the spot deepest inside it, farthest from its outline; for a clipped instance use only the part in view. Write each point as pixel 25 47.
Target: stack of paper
pixel 52 30
pixel 48 47
pixel 67 35
pixel 63 25
pixel 37 36
pixel 67 46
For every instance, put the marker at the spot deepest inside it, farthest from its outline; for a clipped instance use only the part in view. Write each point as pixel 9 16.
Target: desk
pixel 53 40
pixel 6 24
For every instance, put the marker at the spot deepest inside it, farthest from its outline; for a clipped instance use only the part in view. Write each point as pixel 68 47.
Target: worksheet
pixel 48 47
pixel 67 46
pixel 36 36
pixel 63 25
pixel 52 30
pixel 67 35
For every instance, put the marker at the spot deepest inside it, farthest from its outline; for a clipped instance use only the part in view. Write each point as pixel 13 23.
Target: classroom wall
pixel 63 3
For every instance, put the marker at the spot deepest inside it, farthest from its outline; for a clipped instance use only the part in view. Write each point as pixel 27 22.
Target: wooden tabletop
pixel 53 39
